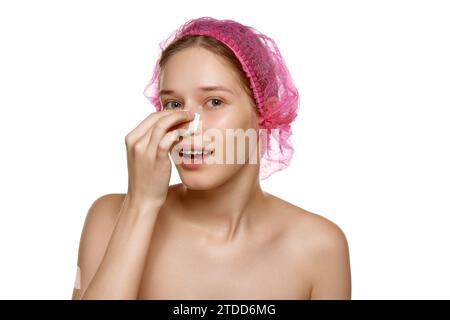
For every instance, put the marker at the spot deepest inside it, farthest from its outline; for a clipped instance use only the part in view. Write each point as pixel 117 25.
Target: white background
pixel 372 150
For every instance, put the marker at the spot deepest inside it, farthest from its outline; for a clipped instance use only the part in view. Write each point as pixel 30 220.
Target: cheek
pixel 219 120
pixel 233 118
pixel 241 117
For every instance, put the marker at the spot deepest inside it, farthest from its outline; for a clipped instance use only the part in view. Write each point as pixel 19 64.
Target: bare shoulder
pixel 105 206
pixel 97 228
pixel 102 215
pixel 306 225
pixel 321 248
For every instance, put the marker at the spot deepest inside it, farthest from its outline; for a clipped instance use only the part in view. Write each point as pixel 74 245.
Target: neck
pixel 222 211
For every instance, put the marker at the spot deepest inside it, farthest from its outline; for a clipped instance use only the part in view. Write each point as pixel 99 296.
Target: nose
pixel 191 127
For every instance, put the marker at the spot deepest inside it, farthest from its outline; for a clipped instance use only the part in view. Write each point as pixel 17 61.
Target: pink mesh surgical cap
pixel 273 88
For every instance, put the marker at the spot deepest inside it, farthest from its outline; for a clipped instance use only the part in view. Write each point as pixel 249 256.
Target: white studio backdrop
pixel 371 138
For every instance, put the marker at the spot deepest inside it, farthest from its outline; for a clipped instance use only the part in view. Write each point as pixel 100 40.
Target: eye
pixel 171 105
pixel 216 102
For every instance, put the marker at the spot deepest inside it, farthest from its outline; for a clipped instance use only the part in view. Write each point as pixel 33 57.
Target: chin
pixel 206 178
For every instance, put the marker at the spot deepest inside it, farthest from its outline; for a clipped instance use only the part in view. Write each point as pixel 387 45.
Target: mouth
pixel 196 154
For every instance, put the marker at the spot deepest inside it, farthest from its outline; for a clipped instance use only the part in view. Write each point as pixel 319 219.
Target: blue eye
pixel 215 100
pixel 165 107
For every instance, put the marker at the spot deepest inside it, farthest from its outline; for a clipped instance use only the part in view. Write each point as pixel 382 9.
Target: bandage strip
pixel 77 284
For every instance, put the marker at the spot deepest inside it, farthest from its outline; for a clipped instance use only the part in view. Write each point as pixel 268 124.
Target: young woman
pixel 216 235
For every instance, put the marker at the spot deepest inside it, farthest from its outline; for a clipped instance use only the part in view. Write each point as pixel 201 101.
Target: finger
pixel 146 124
pixel 166 143
pixel 163 125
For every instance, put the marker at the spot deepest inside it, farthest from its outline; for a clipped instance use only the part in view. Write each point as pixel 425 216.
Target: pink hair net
pixel 273 88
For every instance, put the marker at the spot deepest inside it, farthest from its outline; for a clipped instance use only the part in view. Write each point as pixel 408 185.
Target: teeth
pixel 195 152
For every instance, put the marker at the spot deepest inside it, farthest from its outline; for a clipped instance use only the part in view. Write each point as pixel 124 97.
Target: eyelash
pixel 216 107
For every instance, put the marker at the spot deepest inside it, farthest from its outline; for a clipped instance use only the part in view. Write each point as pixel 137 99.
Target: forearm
pixel 119 274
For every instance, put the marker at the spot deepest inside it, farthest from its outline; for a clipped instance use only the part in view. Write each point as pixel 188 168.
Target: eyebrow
pixel 207 88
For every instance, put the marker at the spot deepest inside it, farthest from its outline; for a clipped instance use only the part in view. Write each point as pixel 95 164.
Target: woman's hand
pixel 149 166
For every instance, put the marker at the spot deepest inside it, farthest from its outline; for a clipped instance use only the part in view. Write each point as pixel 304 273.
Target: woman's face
pixel 222 111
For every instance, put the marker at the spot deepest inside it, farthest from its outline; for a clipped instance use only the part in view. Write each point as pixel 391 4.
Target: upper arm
pixel 97 229
pixel 331 272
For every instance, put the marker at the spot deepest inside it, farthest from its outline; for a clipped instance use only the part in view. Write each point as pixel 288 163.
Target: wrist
pixel 140 207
